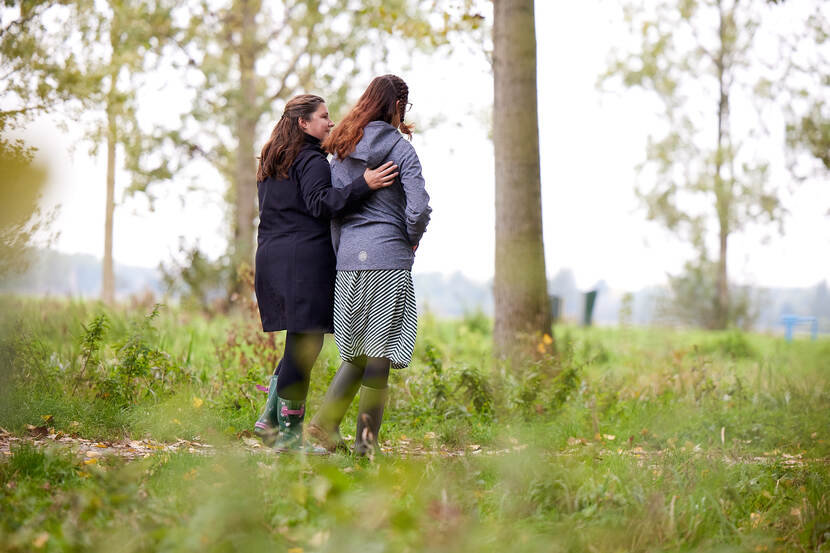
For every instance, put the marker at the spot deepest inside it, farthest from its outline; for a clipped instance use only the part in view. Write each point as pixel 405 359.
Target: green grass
pixel 630 439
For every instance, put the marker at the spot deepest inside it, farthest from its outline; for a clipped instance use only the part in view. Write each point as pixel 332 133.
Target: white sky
pixel 590 144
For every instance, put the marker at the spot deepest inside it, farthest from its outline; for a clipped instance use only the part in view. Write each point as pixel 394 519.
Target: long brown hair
pixel 287 137
pixel 384 100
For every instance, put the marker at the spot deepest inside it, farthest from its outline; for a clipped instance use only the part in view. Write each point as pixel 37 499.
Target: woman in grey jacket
pixel 375 316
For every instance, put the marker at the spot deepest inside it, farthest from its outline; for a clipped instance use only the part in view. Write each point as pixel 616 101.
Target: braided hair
pixel 384 100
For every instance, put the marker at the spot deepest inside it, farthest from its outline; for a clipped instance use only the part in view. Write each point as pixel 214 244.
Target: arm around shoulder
pixel 321 199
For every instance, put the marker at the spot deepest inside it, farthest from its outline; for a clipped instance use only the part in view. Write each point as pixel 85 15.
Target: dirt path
pixel 137 449
pixel 91 450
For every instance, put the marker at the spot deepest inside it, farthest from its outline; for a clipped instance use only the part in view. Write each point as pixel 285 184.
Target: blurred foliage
pixel 199 282
pixel 692 295
pixel 38 75
pixel 23 224
pixel 812 132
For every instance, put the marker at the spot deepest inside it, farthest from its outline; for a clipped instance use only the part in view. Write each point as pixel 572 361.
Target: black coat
pixel 295 262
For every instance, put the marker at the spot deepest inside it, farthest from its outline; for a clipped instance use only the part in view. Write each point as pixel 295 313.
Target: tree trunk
pixel 723 186
pixel 520 287
pixel 107 268
pixel 245 171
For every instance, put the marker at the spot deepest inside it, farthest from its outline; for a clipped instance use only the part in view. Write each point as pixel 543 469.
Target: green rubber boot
pixel 369 419
pixel 266 426
pixel 290 415
pixel 324 428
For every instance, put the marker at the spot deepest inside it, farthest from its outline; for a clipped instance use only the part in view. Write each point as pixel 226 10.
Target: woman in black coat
pixel 295 262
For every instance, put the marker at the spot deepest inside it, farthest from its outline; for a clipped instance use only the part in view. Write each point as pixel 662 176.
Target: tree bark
pixel 520 287
pixel 107 265
pixel 723 192
pixel 245 170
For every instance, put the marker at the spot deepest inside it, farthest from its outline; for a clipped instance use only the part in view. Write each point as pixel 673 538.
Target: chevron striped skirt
pixel 375 315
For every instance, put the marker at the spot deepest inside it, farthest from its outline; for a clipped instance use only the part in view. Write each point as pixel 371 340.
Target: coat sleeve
pixel 417 199
pixel 321 199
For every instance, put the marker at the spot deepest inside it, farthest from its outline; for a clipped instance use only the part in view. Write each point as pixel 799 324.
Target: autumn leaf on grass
pixel 320 538
pixel 37 431
pixel 197 402
pixel 40 540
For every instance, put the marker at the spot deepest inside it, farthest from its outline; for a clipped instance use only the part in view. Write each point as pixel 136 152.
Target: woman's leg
pixel 301 350
pixel 325 426
pixel 373 396
pixel 266 426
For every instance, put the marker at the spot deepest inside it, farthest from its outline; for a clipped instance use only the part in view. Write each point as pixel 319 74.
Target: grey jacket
pixel 380 234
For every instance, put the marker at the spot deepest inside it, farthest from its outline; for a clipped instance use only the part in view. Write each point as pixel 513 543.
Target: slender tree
pixel 132 33
pixel 520 287
pixel 85 59
pixel 703 179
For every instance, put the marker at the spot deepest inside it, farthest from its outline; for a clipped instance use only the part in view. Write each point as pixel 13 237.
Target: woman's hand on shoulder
pixel 381 177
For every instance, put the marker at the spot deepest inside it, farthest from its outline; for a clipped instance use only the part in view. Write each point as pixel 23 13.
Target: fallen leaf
pixel 47 418
pixel 795 511
pixel 547 340
pixel 197 402
pixel 429 435
pixel 91 461
pixel 295 550
pixel 40 540
pixel 319 539
pixel 37 431
pixel 609 437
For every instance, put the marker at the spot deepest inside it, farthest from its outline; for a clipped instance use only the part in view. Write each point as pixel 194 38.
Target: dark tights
pixel 301 350
pixel 375 371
